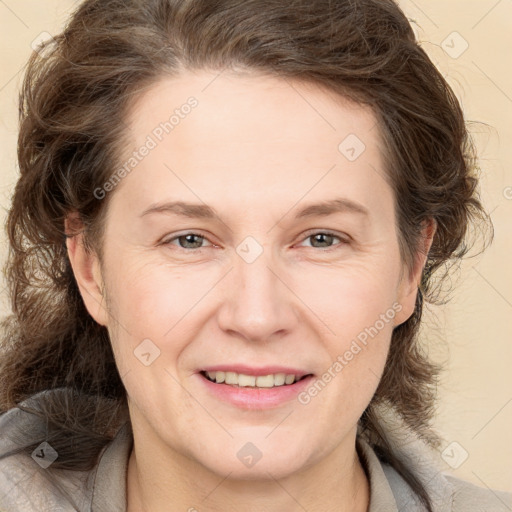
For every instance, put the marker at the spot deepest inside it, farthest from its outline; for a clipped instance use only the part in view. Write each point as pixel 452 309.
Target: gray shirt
pixel 26 486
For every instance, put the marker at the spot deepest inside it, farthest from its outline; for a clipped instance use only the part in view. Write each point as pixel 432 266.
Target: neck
pixel 337 483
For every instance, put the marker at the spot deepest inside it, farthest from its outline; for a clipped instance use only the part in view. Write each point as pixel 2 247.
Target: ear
pixel 86 269
pixel 411 277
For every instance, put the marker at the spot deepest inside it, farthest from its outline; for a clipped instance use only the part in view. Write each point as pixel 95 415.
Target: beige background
pixel 472 335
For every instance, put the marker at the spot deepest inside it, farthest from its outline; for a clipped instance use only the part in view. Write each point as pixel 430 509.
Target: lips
pixel 254 397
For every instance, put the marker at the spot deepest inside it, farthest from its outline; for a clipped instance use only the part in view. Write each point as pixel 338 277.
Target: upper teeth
pixel 260 381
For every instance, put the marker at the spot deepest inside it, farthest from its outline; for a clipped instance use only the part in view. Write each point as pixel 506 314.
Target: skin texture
pixel 257 149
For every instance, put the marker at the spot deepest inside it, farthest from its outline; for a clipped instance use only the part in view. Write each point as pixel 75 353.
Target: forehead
pixel 270 109
pixel 253 135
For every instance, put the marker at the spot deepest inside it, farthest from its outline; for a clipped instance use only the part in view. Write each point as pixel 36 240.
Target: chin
pixel 262 471
pixel 249 462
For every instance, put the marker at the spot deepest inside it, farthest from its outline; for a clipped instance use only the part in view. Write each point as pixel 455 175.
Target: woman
pixel 320 169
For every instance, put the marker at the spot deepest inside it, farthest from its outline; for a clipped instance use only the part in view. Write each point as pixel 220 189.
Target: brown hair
pixel 73 106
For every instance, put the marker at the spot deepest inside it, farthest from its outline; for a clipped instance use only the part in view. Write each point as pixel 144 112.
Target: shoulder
pixel 470 497
pixel 28 489
pixel 446 492
pixel 449 494
pixel 29 481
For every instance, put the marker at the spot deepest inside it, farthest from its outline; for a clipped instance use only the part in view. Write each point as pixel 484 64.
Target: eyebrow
pixel 203 211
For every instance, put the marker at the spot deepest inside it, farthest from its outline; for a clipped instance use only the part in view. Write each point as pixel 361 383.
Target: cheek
pixel 359 313
pixel 348 299
pixel 150 294
pixel 158 302
pixel 356 309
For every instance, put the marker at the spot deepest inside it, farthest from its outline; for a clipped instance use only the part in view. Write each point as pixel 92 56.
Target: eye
pixel 320 240
pixel 324 239
pixel 187 241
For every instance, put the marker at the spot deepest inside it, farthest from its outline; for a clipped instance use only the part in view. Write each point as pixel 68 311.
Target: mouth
pixel 247 380
pixel 254 388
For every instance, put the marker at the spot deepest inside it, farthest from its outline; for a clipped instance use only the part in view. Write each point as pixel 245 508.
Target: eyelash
pixel 343 241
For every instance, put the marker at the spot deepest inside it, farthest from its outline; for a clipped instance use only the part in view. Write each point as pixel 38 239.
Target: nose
pixel 258 304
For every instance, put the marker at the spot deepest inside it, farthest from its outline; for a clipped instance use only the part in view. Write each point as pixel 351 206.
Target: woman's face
pixel 288 263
